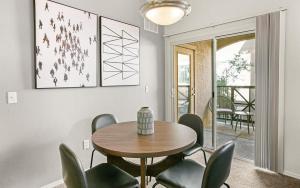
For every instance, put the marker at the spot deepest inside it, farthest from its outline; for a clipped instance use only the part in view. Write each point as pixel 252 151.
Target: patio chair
pixel 225 107
pixel 238 116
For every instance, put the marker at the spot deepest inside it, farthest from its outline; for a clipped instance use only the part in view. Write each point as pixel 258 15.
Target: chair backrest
pixel 73 173
pixel 193 121
pixel 210 104
pixel 103 120
pixel 218 166
pixel 224 102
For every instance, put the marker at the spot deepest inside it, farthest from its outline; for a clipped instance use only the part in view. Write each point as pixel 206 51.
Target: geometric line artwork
pixel 65 46
pixel 120 62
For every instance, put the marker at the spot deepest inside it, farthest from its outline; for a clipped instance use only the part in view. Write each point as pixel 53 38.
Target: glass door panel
pixel 193 84
pixel 235 93
pixel 184 85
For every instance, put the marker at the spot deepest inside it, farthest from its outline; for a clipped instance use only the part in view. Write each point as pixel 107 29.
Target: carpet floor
pixel 245 175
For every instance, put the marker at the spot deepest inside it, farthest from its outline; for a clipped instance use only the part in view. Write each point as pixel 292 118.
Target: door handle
pixel 172 93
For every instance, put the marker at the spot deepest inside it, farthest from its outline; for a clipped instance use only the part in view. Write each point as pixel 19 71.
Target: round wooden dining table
pixel 121 140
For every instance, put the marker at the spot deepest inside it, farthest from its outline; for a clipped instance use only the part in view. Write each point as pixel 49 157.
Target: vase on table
pixel 145 121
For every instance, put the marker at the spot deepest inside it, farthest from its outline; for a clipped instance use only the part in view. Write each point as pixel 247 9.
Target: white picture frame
pixel 120 53
pixel 65 46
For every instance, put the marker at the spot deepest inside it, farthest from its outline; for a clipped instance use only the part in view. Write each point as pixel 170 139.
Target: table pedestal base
pixel 144 170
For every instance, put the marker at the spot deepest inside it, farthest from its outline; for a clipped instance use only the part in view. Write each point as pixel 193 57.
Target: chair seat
pixel 186 174
pixel 195 148
pixel 108 176
pixel 224 110
pixel 241 113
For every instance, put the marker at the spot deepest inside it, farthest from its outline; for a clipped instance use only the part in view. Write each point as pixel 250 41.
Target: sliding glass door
pixel 215 79
pixel 235 92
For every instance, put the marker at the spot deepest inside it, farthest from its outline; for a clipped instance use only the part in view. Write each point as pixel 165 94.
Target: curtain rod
pixel 224 23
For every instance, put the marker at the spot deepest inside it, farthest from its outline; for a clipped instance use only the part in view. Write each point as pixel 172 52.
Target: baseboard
pixel 54 184
pixel 292 174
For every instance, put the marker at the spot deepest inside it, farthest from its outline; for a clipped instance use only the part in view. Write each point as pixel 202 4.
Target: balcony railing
pixel 238 98
pixel 183 99
pixel 242 98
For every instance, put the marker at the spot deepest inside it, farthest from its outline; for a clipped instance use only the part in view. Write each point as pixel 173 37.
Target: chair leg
pixel 236 123
pixel 226 185
pixel 252 122
pixel 155 185
pixel 150 177
pixel 92 158
pixel 248 123
pixel 240 122
pixel 204 154
pixel 231 119
pixel 147 179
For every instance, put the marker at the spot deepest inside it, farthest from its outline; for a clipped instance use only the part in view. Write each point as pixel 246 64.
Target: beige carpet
pixel 245 175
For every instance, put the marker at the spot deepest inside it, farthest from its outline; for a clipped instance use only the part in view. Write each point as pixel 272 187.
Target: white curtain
pixel 269 140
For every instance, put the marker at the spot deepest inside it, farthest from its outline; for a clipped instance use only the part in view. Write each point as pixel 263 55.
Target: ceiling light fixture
pixel 165 12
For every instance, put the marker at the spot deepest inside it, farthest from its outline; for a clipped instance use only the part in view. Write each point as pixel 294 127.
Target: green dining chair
pixel 104 175
pixel 194 121
pixel 99 122
pixel 191 174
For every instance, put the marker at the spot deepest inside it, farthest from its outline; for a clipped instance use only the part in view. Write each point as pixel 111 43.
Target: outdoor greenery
pixel 234 68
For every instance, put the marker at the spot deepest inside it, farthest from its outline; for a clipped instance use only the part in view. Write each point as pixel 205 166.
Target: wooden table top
pixel 122 140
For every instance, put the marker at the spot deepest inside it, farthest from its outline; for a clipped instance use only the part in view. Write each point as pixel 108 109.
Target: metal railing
pixel 184 97
pixel 242 97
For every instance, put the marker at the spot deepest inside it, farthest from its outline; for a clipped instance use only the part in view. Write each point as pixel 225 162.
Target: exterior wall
pixel 203 80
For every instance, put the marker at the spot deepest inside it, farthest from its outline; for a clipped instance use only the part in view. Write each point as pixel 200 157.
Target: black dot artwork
pixel 66 46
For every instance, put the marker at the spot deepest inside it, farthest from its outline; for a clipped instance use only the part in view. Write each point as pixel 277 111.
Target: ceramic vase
pixel 145 121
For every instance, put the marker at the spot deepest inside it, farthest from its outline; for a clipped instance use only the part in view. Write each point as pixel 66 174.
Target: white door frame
pixel 211 33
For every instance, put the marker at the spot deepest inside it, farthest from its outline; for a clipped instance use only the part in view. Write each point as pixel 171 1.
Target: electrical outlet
pixel 12 97
pixel 86 144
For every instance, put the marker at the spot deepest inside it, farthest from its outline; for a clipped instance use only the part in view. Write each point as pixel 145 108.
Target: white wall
pixel 210 12
pixel 31 131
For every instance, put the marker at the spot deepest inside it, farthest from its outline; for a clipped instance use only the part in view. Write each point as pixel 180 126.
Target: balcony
pixel 236 118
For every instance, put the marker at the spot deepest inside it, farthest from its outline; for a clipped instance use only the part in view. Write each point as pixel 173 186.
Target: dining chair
pixel 191 174
pixel 193 121
pixel 104 175
pixel 99 122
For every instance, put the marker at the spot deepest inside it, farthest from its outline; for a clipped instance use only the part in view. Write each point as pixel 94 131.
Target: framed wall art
pixel 65 46
pixel 120 58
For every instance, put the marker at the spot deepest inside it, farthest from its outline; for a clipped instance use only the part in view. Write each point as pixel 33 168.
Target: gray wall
pixel 31 130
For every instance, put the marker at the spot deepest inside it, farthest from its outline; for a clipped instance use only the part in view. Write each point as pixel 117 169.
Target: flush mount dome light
pixel 165 12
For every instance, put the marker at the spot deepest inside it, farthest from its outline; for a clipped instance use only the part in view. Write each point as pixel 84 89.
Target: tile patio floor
pixel 244 142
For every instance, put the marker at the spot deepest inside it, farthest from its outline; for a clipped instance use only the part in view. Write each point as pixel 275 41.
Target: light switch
pixel 86 144
pixel 146 89
pixel 12 97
